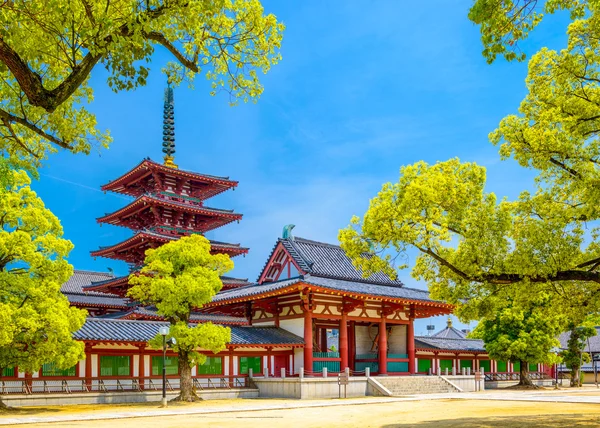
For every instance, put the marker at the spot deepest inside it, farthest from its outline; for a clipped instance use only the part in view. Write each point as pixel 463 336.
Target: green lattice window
pixel 486 365
pixel 212 366
pixel 50 369
pixel 171 363
pixel 424 365
pixel 9 372
pixel 115 365
pixel 533 367
pixel 516 366
pixel 501 366
pixel 446 364
pixel 466 364
pixel 247 363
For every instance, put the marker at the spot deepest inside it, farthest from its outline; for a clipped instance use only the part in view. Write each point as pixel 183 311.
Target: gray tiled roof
pixel 450 333
pixel 594 342
pixel 446 344
pixel 328 260
pixel 84 278
pixel 101 329
pixel 330 283
pixel 195 317
pixel 96 300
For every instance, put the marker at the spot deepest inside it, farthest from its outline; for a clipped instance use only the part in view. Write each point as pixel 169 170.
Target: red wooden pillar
pixel 231 367
pixel 142 365
pixel 410 345
pixel 308 340
pixel 352 345
pixel 343 342
pixel 88 365
pixel 382 347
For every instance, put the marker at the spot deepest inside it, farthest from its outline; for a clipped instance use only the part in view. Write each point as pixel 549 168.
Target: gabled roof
pixel 446 344
pixel 106 301
pixel 114 330
pixel 450 332
pixel 591 345
pixel 82 279
pixel 327 260
pixel 352 288
pixel 150 313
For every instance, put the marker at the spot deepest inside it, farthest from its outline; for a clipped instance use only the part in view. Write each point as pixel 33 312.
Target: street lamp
pixel 164 331
pixel 555 351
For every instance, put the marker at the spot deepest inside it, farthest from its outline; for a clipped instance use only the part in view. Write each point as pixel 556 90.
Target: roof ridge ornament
pixel 287 232
pixel 169 128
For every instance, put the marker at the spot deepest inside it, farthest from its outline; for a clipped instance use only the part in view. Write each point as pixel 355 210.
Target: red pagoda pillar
pixel 382 347
pixel 343 342
pixel 410 344
pixel 308 340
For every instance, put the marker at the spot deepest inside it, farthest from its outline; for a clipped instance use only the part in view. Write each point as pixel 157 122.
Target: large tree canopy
pixel 37 321
pixel 46 60
pixel 476 250
pixel 177 278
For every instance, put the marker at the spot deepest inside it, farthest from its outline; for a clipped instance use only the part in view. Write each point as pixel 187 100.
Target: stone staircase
pixel 410 385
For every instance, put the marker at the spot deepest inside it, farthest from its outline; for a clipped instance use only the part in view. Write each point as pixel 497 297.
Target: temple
pixel 309 314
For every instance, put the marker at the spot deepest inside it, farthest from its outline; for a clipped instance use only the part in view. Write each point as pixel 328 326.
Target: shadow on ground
pixel 538 421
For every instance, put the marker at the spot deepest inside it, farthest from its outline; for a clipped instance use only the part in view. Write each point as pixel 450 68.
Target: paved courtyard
pixel 489 409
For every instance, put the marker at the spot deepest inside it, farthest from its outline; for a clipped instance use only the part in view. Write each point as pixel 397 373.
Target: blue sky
pixel 363 88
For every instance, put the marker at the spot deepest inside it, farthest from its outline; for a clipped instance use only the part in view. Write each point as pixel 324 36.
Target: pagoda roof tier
pixel 152 176
pixel 177 218
pixel 133 249
pixel 120 285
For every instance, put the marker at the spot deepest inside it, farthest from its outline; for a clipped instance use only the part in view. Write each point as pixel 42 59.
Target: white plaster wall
pixel 136 365
pixel 226 368
pixel 363 341
pixel 235 366
pixel 94 365
pixel 146 365
pixel 397 340
pixel 295 326
pixel 299 360
pixel 81 368
pixel 264 364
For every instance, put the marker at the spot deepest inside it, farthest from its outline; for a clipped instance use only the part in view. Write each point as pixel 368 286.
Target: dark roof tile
pixel 447 344
pixel 101 329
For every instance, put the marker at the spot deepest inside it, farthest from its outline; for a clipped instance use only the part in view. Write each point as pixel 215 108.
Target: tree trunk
pixel 523 377
pixel 575 377
pixel 186 384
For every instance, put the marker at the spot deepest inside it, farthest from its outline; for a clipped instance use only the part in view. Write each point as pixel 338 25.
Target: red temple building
pixel 311 314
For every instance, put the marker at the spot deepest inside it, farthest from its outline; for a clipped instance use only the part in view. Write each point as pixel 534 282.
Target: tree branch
pixel 162 40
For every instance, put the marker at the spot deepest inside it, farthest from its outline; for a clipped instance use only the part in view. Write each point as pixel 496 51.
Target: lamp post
pixel 164 331
pixel 555 351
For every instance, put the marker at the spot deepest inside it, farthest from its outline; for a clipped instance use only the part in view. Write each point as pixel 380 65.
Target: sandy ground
pixel 421 414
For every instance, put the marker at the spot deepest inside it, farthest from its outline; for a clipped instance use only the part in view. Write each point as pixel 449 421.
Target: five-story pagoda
pixel 168 204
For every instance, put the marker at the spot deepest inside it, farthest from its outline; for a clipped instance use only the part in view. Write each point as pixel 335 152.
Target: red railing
pixel 102 384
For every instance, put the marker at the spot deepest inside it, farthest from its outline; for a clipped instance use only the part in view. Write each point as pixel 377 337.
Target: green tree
pixel 48 48
pixel 524 335
pixel 177 278
pixel 504 23
pixel 37 321
pixel 574 356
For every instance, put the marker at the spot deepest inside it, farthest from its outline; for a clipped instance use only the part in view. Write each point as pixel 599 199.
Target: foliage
pixel 574 356
pixel 177 278
pixel 518 334
pixel 478 251
pixel 504 23
pixel 46 60
pixel 37 321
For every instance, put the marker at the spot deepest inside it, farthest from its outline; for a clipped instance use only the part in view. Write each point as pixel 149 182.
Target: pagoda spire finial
pixel 449 322
pixel 169 128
